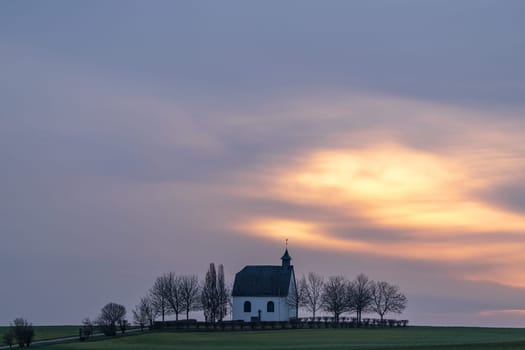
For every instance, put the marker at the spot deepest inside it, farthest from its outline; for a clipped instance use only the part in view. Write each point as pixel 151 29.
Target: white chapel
pixel 265 292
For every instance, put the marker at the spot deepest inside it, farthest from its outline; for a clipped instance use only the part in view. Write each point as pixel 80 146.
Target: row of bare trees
pixel 173 294
pixel 338 295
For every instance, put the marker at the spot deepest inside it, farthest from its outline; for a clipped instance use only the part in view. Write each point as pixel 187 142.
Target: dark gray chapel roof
pixel 263 280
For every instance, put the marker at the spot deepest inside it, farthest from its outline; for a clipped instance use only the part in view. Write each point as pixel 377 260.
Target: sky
pixel 383 137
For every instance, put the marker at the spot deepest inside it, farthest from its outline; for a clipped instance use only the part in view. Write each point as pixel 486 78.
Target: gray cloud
pixel 127 130
pixel 511 197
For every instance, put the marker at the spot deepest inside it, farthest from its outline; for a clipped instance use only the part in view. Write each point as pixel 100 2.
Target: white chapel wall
pixel 281 310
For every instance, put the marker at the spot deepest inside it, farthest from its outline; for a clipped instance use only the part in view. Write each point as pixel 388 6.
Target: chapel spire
pixel 286 258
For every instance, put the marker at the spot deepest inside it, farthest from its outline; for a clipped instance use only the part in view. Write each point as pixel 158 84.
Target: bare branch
pixel 190 292
pixel 311 290
pixel 158 295
pixel 334 298
pixel 359 295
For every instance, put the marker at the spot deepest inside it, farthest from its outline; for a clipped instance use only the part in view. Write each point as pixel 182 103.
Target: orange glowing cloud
pixel 396 186
pixel 502 256
pixel 509 272
pixel 317 236
pixel 435 196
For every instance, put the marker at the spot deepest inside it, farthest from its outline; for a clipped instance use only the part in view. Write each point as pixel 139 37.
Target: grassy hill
pixel 436 338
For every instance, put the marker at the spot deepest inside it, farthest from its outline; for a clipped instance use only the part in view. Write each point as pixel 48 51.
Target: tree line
pixel 172 294
pixel 337 295
pixel 178 295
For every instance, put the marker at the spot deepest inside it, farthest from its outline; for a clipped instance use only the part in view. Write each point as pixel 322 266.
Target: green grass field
pixel 394 339
pixel 48 332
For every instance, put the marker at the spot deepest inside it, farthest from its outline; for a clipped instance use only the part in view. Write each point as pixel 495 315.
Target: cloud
pixel 403 189
pixel 430 196
pixel 395 186
pixel 519 312
pixel 319 237
pixel 511 196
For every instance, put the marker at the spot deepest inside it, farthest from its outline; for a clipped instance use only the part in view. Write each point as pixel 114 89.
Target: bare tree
pixel 359 295
pixel 189 287
pixel 158 295
pixel 334 298
pixel 143 313
pixel 222 295
pixel 23 332
pixel 209 295
pixel 111 315
pixel 312 290
pixel 174 295
pixel 387 298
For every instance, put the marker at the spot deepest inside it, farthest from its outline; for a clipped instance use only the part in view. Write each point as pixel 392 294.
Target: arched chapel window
pixel 270 307
pixel 247 306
